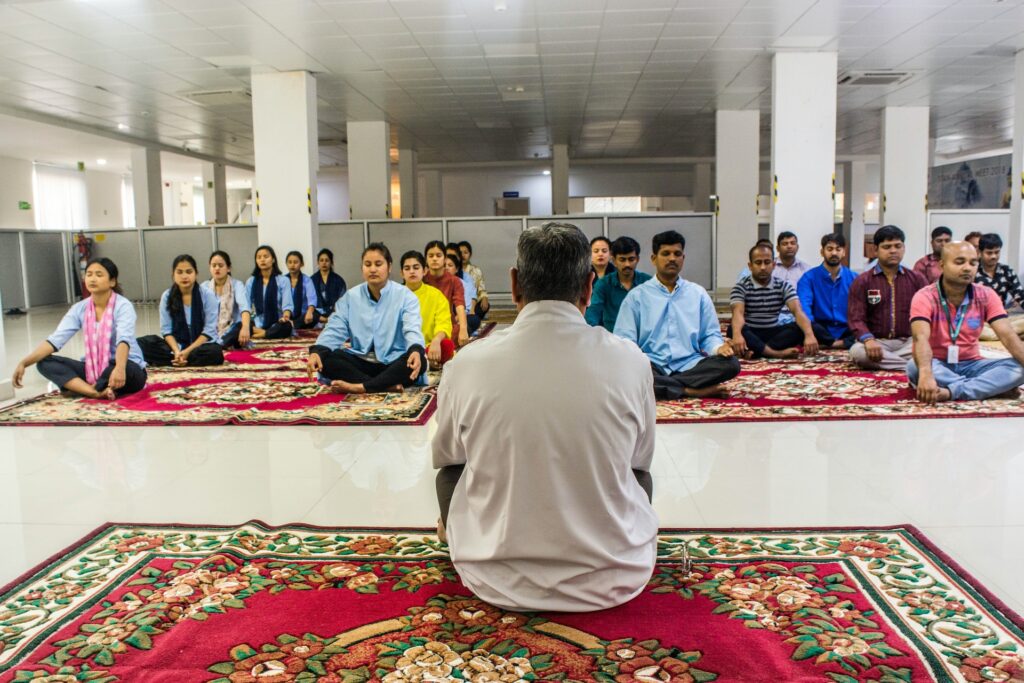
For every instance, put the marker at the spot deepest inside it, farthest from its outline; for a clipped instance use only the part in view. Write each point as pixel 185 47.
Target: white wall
pixel 16 186
pixel 621 181
pixel 472 193
pixel 104 191
pixel 332 195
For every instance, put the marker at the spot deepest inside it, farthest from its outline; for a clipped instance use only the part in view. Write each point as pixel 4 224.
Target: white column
pixel 559 179
pixel 215 193
pixel 701 186
pixel 433 194
pixel 408 181
pixel 147 187
pixel 905 176
pixel 369 169
pixel 1014 253
pixel 6 387
pixel 803 145
pixel 287 158
pixel 855 188
pixel 737 170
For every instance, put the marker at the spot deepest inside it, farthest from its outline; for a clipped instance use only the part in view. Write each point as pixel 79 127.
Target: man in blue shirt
pixel 674 322
pixel 610 290
pixel 824 292
pixel 382 321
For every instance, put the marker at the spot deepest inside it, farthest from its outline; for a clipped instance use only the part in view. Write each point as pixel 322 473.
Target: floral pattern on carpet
pixel 824 387
pixel 256 603
pixel 198 396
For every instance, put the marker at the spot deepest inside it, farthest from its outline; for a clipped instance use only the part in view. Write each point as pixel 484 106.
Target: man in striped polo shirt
pixel 756 302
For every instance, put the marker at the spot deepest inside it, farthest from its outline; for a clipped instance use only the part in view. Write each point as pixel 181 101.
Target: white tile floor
pixel 960 481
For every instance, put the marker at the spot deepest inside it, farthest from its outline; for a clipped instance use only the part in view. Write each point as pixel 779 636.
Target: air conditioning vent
pixel 220 98
pixel 877 77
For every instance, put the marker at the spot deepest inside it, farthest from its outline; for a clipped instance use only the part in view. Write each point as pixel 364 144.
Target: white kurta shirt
pixel 549 417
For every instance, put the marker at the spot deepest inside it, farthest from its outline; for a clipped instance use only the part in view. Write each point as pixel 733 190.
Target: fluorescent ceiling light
pixel 101 162
pixel 122 126
pixel 547 172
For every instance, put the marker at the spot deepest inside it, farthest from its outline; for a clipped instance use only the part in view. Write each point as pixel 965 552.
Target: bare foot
pixel 1012 394
pixel 714 391
pixel 340 386
pixel 259 333
pixel 442 533
pixel 107 394
pixel 944 395
pixel 783 353
pixel 838 344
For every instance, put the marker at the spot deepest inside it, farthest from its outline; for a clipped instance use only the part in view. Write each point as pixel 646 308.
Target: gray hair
pixel 553 261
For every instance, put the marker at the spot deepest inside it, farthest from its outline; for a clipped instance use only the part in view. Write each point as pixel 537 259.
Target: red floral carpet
pixel 255 603
pixel 827 387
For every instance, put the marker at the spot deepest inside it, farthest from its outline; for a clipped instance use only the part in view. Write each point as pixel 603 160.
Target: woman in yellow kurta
pixel 434 309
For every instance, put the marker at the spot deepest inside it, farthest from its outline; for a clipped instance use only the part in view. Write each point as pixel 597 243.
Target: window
pixel 62 202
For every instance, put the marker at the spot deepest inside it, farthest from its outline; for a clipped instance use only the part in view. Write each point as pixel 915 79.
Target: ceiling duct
pixel 228 97
pixel 876 77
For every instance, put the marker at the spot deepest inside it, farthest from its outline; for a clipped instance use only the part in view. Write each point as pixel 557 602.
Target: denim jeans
pixel 973 380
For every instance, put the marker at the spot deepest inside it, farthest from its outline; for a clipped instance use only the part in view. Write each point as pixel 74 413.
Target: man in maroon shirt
pixel 930 265
pixel 878 311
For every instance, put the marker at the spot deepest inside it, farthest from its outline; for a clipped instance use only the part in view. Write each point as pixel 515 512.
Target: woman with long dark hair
pixel 453 265
pixel 450 286
pixel 329 285
pixel 188 322
pixel 302 291
pixel 269 293
pixel 113 365
pixel 234 315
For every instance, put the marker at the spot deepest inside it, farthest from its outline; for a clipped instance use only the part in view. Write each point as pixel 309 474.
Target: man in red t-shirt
pixel 946 320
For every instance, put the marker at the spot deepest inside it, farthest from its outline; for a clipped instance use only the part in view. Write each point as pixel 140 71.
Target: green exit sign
pixel 24 206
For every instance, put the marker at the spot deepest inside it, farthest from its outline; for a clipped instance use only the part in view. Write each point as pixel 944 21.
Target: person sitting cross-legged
pixel 434 310
pixel 382 321
pixel 930 265
pixel 544 444
pixel 674 322
pixel 878 310
pixel 824 293
pixel 756 301
pixel 1001 278
pixel 610 290
pixel 947 319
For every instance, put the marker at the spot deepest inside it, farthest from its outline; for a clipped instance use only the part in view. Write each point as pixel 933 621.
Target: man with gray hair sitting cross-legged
pixel 544 483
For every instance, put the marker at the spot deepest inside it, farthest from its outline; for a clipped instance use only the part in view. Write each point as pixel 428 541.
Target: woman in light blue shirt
pixel 453 265
pixel 382 320
pixel 269 294
pixel 303 292
pixel 188 322
pixel 234 314
pixel 113 365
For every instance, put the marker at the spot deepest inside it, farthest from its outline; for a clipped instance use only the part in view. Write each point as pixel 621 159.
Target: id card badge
pixel 953 355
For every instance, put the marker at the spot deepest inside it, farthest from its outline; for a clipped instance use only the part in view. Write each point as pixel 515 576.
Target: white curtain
pixel 62 202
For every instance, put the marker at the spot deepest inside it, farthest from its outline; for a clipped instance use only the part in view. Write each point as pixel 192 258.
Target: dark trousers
pixel 825 338
pixel 479 311
pixel 279 330
pixel 61 370
pixel 448 477
pixel 707 373
pixel 158 352
pixel 300 321
pixel 778 337
pixel 472 323
pixel 230 338
pixel 372 375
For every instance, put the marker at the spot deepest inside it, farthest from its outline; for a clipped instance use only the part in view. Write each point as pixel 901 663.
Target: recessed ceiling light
pixel 198 179
pixel 547 172
pixel 122 126
pixel 500 6
pixel 101 162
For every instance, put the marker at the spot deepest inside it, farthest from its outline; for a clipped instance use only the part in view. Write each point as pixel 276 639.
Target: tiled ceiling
pixel 490 80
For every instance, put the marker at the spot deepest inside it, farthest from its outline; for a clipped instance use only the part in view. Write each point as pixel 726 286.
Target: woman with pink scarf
pixel 113 365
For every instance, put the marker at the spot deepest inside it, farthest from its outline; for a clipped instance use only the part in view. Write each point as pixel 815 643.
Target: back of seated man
pixel 1002 279
pixel 610 290
pixel 824 293
pixel 756 302
pixel 878 310
pixel 674 322
pixel 947 318
pixel 544 483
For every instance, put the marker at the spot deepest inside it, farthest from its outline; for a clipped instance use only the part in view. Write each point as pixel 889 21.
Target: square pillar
pixel 215 193
pixel 369 169
pixel 1013 254
pixel 737 176
pixel 701 187
pixel 147 187
pixel 803 145
pixel 284 121
pixel 408 182
pixel 855 180
pixel 559 180
pixel 905 176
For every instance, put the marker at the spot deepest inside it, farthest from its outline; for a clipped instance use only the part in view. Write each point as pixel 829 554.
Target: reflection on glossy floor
pixel 960 481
